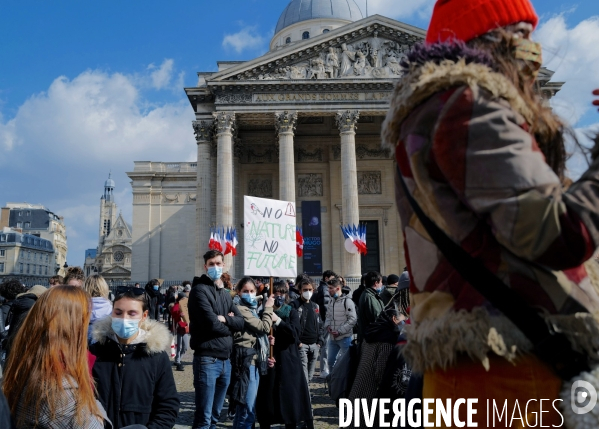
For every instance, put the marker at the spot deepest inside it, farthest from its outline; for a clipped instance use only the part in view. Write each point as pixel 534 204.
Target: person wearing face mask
pixel 250 352
pixel 213 321
pixel 340 321
pixel 132 370
pixel 283 392
pixel 311 326
pixel 371 303
pixel 153 291
pixel 482 156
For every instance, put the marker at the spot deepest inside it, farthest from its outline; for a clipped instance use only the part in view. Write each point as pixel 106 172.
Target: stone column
pixel 285 123
pixel 204 131
pixel 225 123
pixel 346 121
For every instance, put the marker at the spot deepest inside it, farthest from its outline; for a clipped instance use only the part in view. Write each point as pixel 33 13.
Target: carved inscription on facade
pixel 322 97
pixel 309 185
pixel 260 187
pixel 369 182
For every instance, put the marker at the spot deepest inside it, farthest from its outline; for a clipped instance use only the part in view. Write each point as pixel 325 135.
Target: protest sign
pixel 269 237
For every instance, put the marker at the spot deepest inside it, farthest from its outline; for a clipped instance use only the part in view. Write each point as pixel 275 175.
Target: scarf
pixel 284 311
pixel 262 345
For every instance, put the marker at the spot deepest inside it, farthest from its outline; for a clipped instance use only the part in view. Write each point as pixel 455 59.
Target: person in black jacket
pixel 311 327
pixel 283 395
pixel 153 291
pixel 9 291
pixel 322 298
pixel 132 370
pixel 213 320
pixel 18 311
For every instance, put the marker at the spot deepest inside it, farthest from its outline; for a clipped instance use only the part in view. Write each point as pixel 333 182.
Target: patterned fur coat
pixel 460 133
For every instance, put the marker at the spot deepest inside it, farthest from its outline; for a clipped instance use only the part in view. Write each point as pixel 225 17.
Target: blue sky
pixel 88 87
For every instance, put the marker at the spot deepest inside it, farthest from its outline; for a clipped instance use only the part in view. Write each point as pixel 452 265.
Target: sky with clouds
pixel 90 87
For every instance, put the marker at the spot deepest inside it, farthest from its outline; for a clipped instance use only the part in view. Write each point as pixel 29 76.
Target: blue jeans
pixel 245 415
pixel 211 377
pixel 337 348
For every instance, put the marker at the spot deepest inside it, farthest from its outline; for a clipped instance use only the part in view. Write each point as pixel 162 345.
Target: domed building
pixel 300 123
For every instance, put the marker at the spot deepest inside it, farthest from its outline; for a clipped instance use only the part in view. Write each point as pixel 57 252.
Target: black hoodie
pixel 209 336
pixel 18 312
pixel 153 301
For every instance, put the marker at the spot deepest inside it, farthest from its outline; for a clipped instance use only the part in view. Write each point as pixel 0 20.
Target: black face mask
pixel 279 301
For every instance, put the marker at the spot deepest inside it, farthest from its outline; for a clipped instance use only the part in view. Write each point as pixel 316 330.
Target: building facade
pixel 112 257
pixel 37 220
pixel 301 123
pixel 25 257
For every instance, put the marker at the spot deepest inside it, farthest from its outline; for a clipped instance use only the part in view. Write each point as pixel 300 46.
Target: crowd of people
pixel 499 300
pixel 96 358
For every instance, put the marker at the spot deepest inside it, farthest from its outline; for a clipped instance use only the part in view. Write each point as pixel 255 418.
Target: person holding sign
pixel 250 352
pixel 213 321
pixel 283 391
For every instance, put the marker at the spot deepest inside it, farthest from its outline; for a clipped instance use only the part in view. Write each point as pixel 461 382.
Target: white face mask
pixel 307 295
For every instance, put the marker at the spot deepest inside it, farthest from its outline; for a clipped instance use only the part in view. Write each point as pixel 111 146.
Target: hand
pixel 271 340
pixel 231 314
pixel 275 318
pixel 335 333
pixel 300 345
pixel 271 362
pixel 222 318
pixel 270 302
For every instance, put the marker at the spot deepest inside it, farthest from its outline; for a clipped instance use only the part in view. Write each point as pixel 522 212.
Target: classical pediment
pixel 117 270
pixel 371 48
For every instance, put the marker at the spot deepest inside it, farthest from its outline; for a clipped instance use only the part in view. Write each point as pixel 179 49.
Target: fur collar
pixel 153 334
pixel 421 81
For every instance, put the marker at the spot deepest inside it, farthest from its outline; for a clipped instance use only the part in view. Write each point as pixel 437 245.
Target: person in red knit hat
pixel 481 173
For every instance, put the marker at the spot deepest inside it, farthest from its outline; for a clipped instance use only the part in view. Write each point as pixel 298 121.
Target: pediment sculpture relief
pixel 374 57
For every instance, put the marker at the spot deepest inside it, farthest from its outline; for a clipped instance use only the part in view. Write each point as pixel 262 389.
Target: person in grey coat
pixel 340 321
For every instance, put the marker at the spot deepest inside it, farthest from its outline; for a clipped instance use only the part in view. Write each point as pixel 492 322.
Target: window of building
pixel 119 256
pixel 1 267
pixel 288 40
pixel 46 270
pixel 46 258
pixel 21 268
pixel 28 213
pixel 2 253
pixel 306 35
pixel 19 224
pixel 29 255
pixel 326 30
pixel 2 237
pixel 27 269
pixel 27 224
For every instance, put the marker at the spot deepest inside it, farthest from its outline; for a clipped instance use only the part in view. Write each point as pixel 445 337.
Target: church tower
pixel 108 210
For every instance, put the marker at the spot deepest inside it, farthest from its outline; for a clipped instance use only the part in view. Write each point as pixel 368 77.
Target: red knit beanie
pixel 466 19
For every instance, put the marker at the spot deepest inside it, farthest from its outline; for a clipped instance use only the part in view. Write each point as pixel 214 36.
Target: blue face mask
pixel 156 287
pixel 125 328
pixel 279 301
pixel 249 299
pixel 215 272
pixel 379 290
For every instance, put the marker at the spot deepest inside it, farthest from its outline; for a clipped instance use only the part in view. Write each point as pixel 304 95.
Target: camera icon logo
pixel 583 397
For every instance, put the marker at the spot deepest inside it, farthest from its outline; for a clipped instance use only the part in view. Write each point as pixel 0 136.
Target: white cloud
pixel 573 54
pixel 161 76
pixel 400 9
pixel 60 145
pixel 246 38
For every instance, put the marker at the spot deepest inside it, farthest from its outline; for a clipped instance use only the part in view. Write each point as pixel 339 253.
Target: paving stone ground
pixel 326 415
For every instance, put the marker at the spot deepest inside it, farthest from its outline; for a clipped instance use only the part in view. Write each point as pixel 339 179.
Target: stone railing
pixel 166 167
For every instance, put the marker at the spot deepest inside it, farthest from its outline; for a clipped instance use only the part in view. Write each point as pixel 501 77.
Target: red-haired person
pixel 47 381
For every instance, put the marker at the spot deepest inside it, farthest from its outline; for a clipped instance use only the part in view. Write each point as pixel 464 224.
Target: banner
pixel 269 238
pixel 312 238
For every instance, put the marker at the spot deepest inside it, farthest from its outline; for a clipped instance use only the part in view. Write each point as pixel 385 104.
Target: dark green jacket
pixel 370 307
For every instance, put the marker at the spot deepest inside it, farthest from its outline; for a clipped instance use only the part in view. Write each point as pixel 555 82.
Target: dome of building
pixel 109 183
pixel 304 10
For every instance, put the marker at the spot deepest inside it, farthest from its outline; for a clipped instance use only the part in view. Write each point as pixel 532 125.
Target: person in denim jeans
pixel 340 321
pixel 213 320
pixel 312 332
